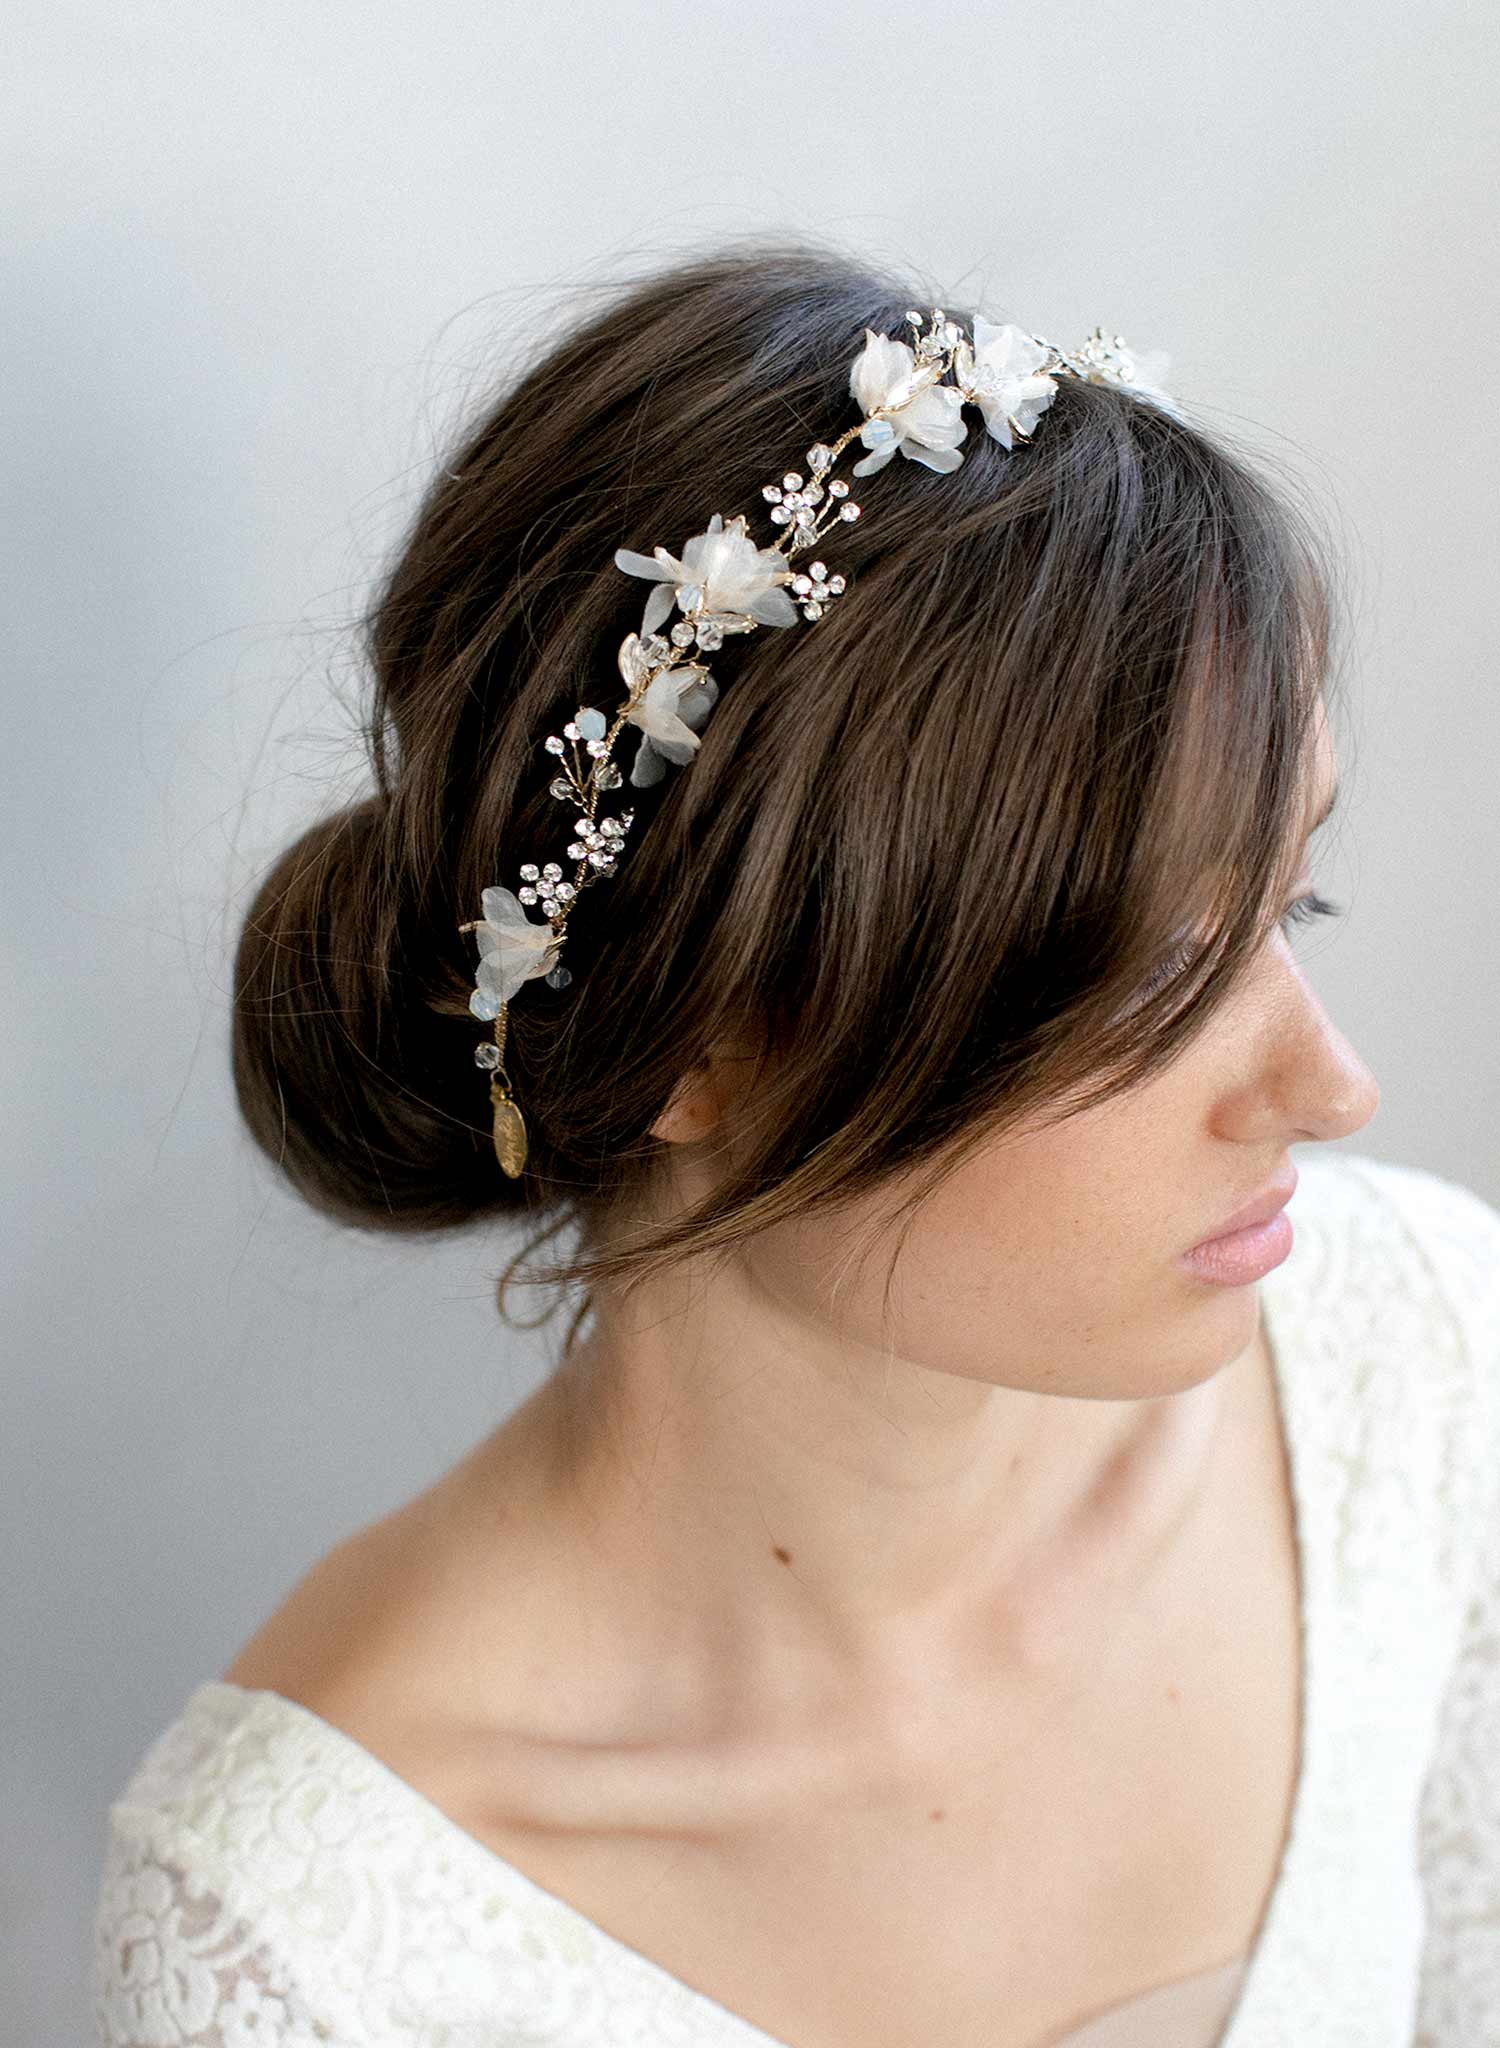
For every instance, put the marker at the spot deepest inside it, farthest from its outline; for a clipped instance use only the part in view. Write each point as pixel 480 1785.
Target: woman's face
pixel 1048 1261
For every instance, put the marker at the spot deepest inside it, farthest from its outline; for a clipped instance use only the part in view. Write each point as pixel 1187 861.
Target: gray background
pixel 260 261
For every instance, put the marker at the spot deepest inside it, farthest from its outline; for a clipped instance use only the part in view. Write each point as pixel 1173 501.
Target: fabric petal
pixel 944 459
pixel 640 565
pixel 773 607
pixel 647 766
pixel 658 605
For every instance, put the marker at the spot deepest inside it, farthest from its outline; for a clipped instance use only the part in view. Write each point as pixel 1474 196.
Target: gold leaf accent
pixel 510 1132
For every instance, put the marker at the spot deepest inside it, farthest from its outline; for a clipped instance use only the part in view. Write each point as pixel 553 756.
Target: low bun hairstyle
pixel 936 854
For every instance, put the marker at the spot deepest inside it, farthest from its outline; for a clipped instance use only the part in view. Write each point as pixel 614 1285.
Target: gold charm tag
pixel 510 1130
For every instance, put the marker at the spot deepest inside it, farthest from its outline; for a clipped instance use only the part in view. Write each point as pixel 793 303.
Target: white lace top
pixel 268 1880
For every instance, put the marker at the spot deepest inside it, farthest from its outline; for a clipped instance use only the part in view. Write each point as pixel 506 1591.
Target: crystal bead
pixel 607 775
pixel 835 583
pixel 487 1055
pixel 560 787
pixel 710 635
pixel 780 515
pixel 598 859
pixel 817 568
pixel 566 891
pixel 526 895
pixel 850 511
pixel 559 978
pixel 485 1005
pixel 802 584
pixel 812 611
pixel 655 648
pixel 552 871
pixel 530 871
pixel 592 724
pixel 575 850
pixel 689 596
pixel 837 488
pixel 594 748
pixel 819 456
pixel 682 633
pixel 771 492
pixel 813 495
pixel 570 730
pixel 791 481
pixel 552 743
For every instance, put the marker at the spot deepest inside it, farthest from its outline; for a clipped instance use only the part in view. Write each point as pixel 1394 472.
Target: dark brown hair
pixel 936 854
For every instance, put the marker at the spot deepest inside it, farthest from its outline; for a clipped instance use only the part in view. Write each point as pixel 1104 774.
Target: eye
pixel 1307 910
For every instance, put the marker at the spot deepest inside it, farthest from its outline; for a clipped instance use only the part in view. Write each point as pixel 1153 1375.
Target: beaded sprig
pixel 725 583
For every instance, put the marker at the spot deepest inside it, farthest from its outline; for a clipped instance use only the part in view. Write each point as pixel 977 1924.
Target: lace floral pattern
pixel 267 1880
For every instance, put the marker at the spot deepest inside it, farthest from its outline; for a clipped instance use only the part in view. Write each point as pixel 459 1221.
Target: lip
pixel 1261 1209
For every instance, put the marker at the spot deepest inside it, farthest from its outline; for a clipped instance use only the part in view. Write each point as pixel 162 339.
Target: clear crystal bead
pixel 526 895
pixel 552 743
pixel 655 648
pixel 576 849
pixel 608 775
pixel 594 748
pixel 689 596
pixel 598 859
pixel 817 568
pixel 850 511
pixel 771 492
pixel 819 455
pixel 791 481
pixel 710 635
pixel 802 584
pixel 559 978
pixel 487 1055
pixel 837 488
pixel 812 611
pixel 560 787
pixel 566 892
pixel 683 633
pixel 530 871
pixel 813 495
pixel 570 730
pixel 835 584
pixel 780 515
pixel 552 871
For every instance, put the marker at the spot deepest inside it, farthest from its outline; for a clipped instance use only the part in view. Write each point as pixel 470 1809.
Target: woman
pixel 953 1592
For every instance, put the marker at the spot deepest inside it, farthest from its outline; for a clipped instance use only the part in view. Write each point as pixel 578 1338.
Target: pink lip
pixel 1260 1210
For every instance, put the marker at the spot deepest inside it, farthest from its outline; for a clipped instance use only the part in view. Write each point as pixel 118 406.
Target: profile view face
pixel 1052 1260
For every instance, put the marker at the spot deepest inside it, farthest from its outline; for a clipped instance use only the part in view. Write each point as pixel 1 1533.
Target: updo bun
pixel 349 1080
pixel 929 856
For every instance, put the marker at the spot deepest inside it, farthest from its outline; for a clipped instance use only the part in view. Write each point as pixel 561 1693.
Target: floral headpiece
pixel 724 582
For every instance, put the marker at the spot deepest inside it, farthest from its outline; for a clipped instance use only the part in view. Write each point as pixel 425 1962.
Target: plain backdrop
pixel 261 261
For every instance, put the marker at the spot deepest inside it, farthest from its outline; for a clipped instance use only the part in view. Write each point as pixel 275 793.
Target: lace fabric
pixel 267 1880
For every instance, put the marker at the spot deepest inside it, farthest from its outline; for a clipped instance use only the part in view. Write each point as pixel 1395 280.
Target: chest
pixel 1063 1846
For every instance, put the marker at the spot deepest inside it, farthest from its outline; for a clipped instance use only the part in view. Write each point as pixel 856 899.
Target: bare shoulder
pixel 408 1622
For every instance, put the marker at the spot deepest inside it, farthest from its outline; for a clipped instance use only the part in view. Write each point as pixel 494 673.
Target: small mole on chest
pixel 784 1555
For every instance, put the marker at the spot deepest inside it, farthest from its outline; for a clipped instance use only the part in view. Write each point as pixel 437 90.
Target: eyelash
pixel 1306 910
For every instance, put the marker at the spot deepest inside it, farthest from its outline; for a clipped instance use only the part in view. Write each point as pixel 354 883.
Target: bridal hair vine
pixel 723 583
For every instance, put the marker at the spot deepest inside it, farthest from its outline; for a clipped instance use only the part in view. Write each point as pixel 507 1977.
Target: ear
pixel 705 1095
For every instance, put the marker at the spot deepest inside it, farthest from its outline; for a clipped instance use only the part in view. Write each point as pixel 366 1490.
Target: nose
pixel 1329 1090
